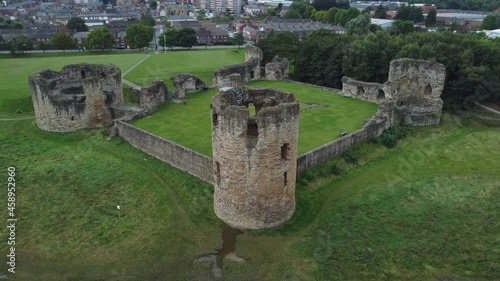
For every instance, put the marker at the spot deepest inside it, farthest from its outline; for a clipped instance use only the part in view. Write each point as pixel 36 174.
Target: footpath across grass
pixel 323 116
pixel 15 95
pixel 200 63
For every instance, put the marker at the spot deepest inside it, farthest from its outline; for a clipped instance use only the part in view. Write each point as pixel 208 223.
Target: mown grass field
pixel 425 210
pixel 200 63
pixel 189 124
pixel 15 96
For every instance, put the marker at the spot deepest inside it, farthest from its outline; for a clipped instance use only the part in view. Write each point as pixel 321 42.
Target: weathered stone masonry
pixel 254 157
pixel 79 96
pixel 186 83
pixel 414 88
pixel 167 151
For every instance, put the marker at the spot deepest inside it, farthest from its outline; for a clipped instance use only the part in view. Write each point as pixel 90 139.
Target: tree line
pixel 324 58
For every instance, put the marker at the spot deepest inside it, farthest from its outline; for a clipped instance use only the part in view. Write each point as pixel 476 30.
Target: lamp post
pixel 164 43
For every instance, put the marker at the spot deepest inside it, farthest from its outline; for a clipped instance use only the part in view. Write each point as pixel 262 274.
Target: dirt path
pixel 490 109
pixel 128 83
pixel 134 66
pixel 12 118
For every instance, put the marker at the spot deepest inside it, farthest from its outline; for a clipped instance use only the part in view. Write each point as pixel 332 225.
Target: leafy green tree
pixel 366 58
pixel 411 51
pixel 374 28
pixel 453 26
pixel 20 44
pixel 343 16
pixel 100 38
pixel 325 5
pixel 2 19
pixel 271 12
pixel 238 39
pixel 3 44
pixel 410 13
pixel 77 24
pixel 139 36
pixel 169 38
pixel 402 27
pixel 187 37
pixel 16 25
pixel 147 19
pixel 201 14
pixel 380 12
pixel 491 22
pixel 427 52
pixel 367 10
pixel 320 16
pixel 299 6
pixel 279 8
pixel 359 25
pixel 43 46
pixel 292 14
pixel 330 18
pixel 309 11
pixel 284 44
pixel 430 20
pixel 62 41
pixel 153 5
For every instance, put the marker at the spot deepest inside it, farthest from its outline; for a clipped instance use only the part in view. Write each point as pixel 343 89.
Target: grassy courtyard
pixel 425 210
pixel 189 124
pixel 200 63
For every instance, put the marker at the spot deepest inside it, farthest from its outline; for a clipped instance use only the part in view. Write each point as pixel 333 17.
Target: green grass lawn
pixel 15 96
pixel 189 124
pixel 426 210
pixel 200 63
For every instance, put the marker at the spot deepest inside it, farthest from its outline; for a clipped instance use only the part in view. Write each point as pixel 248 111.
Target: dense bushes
pixel 471 61
pixel 391 136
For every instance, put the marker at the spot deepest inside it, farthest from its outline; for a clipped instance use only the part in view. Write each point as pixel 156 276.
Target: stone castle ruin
pixel 254 130
pixel 254 157
pixel 79 96
pixel 186 83
pixel 412 90
pixel 277 69
pixel 87 96
pixel 152 96
pixel 252 69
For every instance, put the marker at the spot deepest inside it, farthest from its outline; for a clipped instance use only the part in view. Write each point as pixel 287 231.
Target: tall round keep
pixel 254 156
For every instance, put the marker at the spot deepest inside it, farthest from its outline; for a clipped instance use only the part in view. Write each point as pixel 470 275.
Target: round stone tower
pixel 77 97
pixel 254 156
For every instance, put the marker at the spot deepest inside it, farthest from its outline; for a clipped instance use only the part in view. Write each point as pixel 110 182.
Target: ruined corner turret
pixel 413 89
pixel 254 157
pixel 79 96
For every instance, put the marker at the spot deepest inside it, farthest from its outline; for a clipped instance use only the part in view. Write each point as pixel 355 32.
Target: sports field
pixel 15 96
pixel 200 63
pixel 323 116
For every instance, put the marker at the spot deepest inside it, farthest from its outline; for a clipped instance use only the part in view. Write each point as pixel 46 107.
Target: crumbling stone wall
pixel 167 151
pixel 372 128
pixel 186 83
pixel 277 69
pixel 254 157
pixel 79 96
pixel 363 90
pixel 253 53
pixel 250 70
pixel 152 96
pixel 414 88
